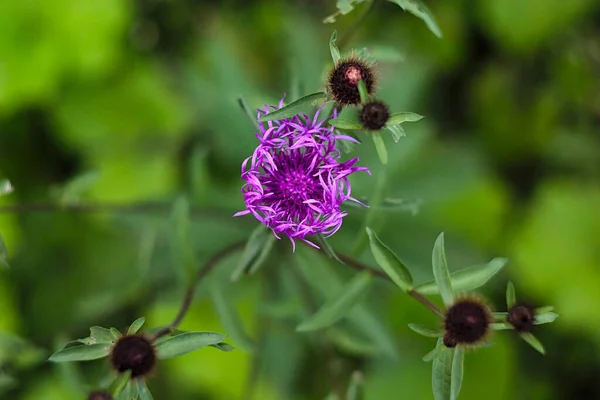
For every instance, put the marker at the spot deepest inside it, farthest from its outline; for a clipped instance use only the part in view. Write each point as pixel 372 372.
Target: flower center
pixel 353 75
pixel 296 187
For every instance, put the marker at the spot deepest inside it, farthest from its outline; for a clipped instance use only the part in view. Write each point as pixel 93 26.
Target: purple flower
pixel 295 182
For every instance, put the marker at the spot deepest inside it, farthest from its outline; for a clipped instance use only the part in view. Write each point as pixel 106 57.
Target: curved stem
pixel 354 263
pixel 189 295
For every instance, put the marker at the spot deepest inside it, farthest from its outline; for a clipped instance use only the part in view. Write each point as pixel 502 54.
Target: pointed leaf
pixel 230 318
pixel 336 308
pixel 345 6
pixel 545 309
pixel 457 372
pixel 5 187
pixel 356 387
pixel 420 10
pixel 468 279
pixel 389 262
pixel 341 123
pixel 545 318
pixel 114 332
pixel 533 342
pixel 362 91
pixel 99 334
pixel 295 107
pixel 397 132
pixel 501 326
pixel 81 353
pixel 380 147
pixel 441 374
pixel 424 331
pixel 130 392
pixel 401 117
pixel 186 343
pixel 511 297
pixel 335 52
pixel 255 253
pixel 222 346
pixel 136 325
pixel 143 390
pixel 440 271
pixel 439 347
pixel 119 384
pixel 500 315
pixel 244 106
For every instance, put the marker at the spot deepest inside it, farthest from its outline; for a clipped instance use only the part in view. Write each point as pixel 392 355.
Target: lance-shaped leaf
pixel 511 297
pixel 457 372
pixel 255 253
pixel 303 104
pixel 99 334
pixel 400 117
pixel 420 10
pixel 337 307
pixel 130 392
pixel 186 343
pixel 440 271
pixel 380 147
pixel 433 354
pixel 118 385
pixel 229 318
pixel 467 279
pixel 362 91
pixel 223 346
pixel 441 374
pixel 81 353
pixel 327 248
pixel 424 331
pixel 143 391
pixel 244 106
pixel 136 325
pixel 356 387
pixel 501 326
pixel 115 333
pixel 346 124
pixel 389 262
pixel 533 342
pixel 545 318
pixel 397 132
pixel 333 49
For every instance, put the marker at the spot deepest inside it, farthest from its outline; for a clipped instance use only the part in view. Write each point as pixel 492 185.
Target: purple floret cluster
pixel 295 181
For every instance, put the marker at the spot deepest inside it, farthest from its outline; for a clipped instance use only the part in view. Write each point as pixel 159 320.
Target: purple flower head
pixel 295 182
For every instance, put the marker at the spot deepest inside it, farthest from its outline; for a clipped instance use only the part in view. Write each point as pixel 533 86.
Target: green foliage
pixel 333 49
pixel 255 252
pixel 303 104
pixel 346 124
pixel 420 10
pixel 389 262
pixel 440 271
pixel 81 353
pixel 186 342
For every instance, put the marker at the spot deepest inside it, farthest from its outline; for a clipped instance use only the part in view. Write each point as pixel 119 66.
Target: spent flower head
pixel 467 322
pixel 522 317
pixel 135 353
pixel 374 115
pixel 295 180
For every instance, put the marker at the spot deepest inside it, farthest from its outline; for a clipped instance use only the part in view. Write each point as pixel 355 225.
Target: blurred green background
pixel 144 92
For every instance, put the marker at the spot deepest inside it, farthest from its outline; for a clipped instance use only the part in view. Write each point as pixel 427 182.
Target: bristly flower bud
pixel 100 395
pixel 467 322
pixel 374 115
pixel 342 83
pixel 135 353
pixel 521 316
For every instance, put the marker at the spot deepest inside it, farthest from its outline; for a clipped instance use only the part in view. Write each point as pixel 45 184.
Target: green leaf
pixel 333 49
pixel 326 247
pixel 500 315
pixel 457 372
pixel 362 91
pixel 81 353
pixel 119 384
pixel 350 342
pixel 397 132
pixel 467 279
pixel 345 6
pixel 380 147
pixel 427 332
pixel 3 254
pixel 186 343
pixel 222 346
pixel 440 271
pixel 511 297
pixel 181 247
pixel 336 308
pixel 114 332
pixel 229 318
pixel 295 107
pixel 400 117
pixel 5 187
pixel 545 309
pixel 71 192
pixel 356 387
pixel 255 252
pixel 439 347
pixel 420 10
pixel 143 390
pixel 244 106
pixel 441 374
pixel 99 334
pixel 501 326
pixel 545 318
pixel 533 342
pixel 389 262
pixel 341 123
pixel 136 325
pixel 130 392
